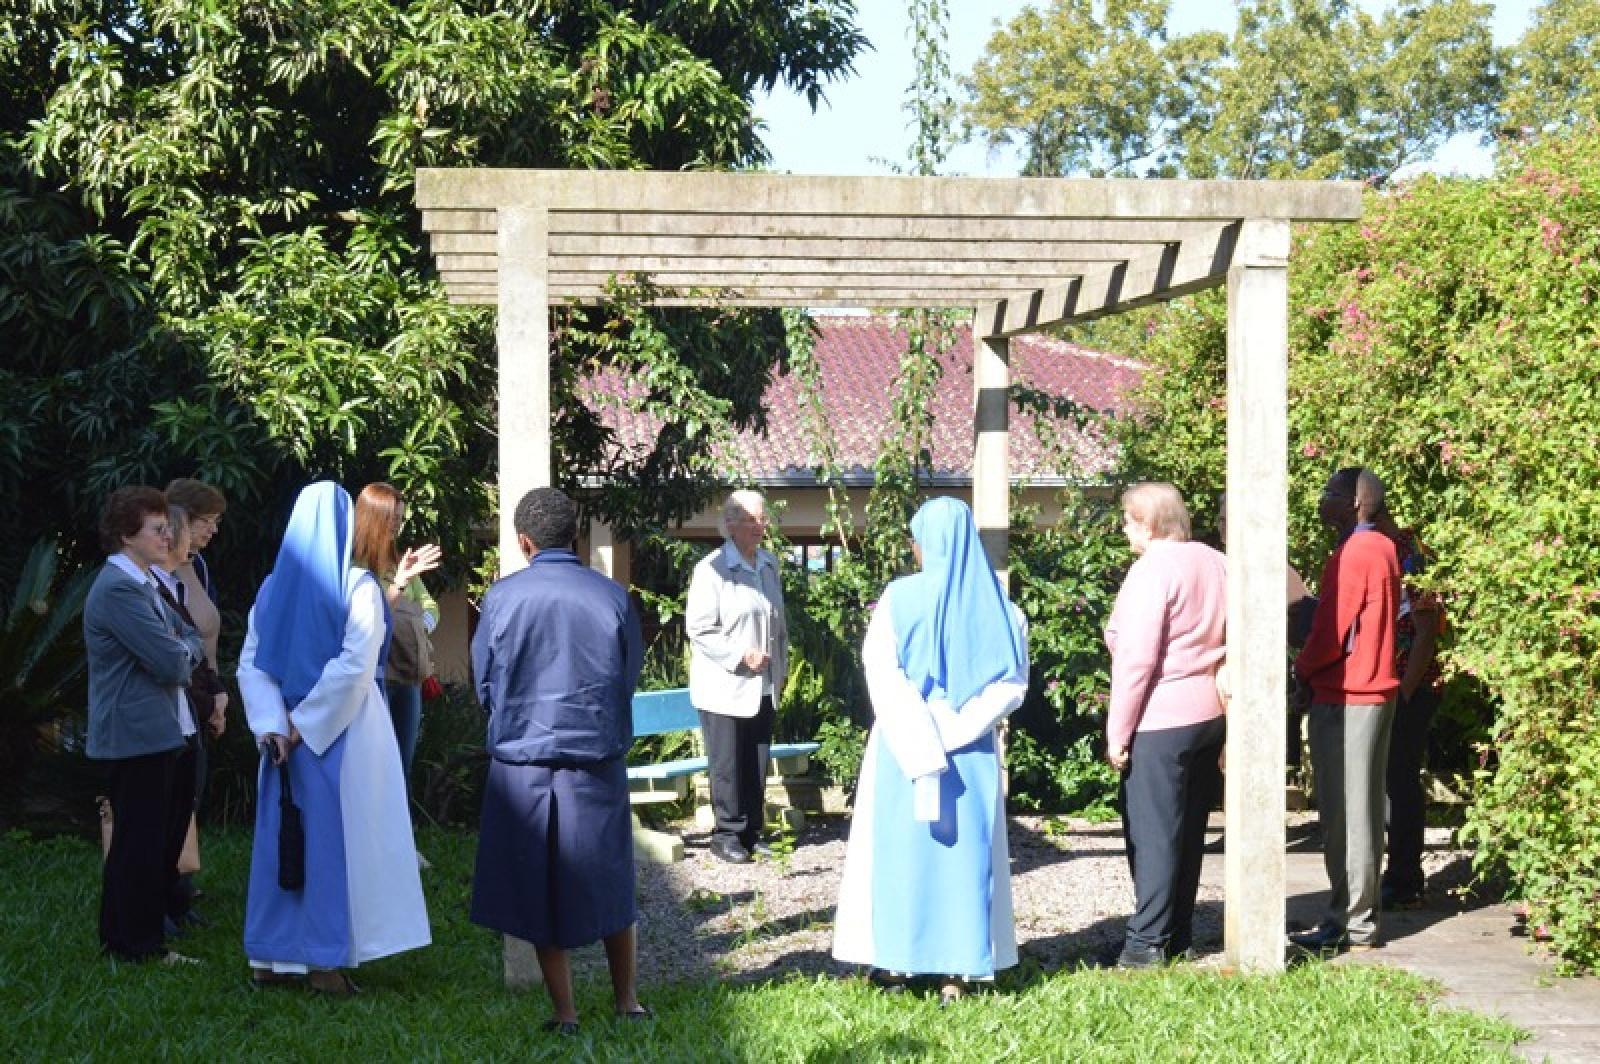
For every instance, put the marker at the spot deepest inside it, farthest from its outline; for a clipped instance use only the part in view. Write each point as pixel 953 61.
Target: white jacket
pixel 727 614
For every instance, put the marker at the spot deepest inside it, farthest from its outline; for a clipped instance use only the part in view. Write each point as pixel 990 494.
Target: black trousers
pixel 1408 747
pixel 142 863
pixel 1171 784
pixel 737 756
pixel 180 807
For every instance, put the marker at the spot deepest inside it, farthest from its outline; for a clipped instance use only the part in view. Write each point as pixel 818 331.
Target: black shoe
pixel 565 1028
pixel 730 850
pixel 1137 956
pixel 887 982
pixel 1326 940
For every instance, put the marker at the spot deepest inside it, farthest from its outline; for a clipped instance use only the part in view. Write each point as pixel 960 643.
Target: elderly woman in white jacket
pixel 739 658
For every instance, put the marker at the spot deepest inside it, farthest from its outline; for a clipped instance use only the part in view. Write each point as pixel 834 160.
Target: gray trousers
pixel 1349 756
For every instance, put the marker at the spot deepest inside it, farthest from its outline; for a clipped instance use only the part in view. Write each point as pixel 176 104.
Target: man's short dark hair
pixel 1345 480
pixel 124 512
pixel 548 518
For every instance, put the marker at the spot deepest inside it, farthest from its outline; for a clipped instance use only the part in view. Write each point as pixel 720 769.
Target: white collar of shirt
pixel 168 581
pixel 127 565
pixel 736 560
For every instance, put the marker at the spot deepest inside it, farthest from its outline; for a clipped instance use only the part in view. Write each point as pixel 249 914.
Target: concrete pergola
pixel 1023 253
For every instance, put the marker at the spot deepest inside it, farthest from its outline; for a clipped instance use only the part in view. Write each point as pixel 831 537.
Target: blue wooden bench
pixel 662 712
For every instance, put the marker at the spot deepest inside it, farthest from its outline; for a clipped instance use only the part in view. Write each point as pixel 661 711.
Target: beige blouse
pixel 202 609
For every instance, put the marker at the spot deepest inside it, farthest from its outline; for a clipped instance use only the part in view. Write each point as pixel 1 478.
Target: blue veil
pixel 300 610
pixel 955 628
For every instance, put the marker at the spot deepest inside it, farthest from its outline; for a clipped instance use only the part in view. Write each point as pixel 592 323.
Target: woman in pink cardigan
pixel 1165 728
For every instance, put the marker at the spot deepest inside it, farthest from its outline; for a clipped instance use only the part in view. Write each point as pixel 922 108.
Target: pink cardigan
pixel 1166 637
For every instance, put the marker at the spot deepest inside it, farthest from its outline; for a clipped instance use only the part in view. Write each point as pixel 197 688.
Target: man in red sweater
pixel 1349 664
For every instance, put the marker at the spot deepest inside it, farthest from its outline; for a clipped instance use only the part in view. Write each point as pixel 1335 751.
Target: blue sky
pixel 863 124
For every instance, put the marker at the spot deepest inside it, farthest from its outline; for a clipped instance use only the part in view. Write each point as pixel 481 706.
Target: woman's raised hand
pixel 416 561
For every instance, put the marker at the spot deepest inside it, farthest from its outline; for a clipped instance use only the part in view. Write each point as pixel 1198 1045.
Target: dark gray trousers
pixel 737 755
pixel 1172 782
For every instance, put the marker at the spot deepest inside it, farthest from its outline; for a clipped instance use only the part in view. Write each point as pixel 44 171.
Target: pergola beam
pixel 942 265
pixel 858 275
pixel 972 197
pixel 448 226
pixel 1171 272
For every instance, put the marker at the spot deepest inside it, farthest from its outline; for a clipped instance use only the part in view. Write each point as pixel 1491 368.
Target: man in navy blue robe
pixel 554 661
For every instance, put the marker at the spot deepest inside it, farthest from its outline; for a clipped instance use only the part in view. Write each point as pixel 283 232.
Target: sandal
pixel 565 1028
pixel 263 978
pixel 333 984
pixel 641 1012
pixel 950 993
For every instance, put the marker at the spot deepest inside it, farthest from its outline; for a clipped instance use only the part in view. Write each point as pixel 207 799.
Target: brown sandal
pixel 333 984
pixel 263 978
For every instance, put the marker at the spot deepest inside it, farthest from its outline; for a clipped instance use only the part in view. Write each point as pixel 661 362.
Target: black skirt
pixel 555 853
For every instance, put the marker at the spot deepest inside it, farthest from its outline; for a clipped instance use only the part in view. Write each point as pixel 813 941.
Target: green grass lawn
pixel 60 1000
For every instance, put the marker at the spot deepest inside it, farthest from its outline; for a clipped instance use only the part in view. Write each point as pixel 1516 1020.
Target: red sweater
pixel 1349 657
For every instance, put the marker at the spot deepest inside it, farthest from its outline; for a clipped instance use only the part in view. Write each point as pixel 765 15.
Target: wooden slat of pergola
pixel 1023 254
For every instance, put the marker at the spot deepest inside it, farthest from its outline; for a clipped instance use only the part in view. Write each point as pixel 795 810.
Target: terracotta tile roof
pixel 859 358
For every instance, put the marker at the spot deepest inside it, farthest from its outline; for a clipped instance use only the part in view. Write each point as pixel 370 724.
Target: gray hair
pixel 1158 506
pixel 743 501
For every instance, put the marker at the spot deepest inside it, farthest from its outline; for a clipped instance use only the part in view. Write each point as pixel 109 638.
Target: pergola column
pixel 991 472
pixel 522 340
pixel 1258 344
pixel 609 555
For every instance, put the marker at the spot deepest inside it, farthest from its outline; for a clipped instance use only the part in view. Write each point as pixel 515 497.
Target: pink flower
pixel 1550 232
pixel 1309 449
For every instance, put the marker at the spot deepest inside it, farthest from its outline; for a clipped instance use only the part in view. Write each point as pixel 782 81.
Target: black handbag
pixel 291 835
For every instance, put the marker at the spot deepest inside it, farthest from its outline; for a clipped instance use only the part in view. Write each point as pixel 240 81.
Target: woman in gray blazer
pixel 139 656
pixel 738 661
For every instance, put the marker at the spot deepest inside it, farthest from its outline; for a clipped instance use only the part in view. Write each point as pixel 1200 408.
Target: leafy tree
pixel 1084 87
pixel 1314 88
pixel 211 262
pixel 1554 80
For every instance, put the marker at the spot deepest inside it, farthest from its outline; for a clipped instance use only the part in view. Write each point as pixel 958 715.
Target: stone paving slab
pixel 1472 949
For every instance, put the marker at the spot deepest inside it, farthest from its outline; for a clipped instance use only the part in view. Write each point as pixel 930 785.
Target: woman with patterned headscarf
pixel 308 679
pixel 927 884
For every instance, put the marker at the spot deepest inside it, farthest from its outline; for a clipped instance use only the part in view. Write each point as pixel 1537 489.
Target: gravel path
pixel 703 919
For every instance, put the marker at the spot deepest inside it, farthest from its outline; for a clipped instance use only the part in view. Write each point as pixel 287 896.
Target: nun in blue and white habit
pixel 927 882
pixel 309 678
